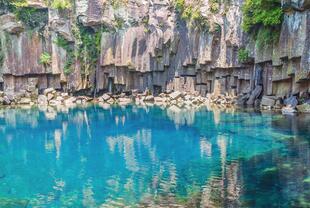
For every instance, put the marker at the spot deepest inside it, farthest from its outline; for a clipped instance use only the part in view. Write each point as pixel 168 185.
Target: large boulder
pixel 42 100
pixel 268 101
pixel 292 101
pixel 25 101
pixel 304 108
pixel 175 95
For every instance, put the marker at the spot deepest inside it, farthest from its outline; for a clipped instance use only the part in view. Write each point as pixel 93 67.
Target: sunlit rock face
pixel 147 45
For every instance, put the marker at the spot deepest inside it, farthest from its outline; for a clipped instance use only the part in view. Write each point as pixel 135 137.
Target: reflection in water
pixel 148 157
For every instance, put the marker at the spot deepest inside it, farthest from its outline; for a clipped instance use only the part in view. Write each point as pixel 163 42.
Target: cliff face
pixel 145 44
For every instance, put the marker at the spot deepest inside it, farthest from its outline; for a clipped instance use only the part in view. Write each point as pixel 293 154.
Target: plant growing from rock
pixel 243 55
pixel 61 4
pixel 45 59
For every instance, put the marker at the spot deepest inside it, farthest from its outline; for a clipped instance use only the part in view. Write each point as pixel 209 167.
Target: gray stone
pixel 268 101
pixel 175 95
pixel 292 101
pixel 48 91
pixel 25 101
pixel 42 100
pixel 304 108
pixel 149 98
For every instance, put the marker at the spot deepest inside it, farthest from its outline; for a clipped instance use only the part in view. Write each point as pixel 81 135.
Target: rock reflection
pixel 147 157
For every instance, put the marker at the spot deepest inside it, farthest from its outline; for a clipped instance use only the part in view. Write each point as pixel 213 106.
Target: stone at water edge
pixel 175 95
pixel 50 96
pixel 268 101
pixel 42 100
pixel 25 101
pixel 304 108
pixel 288 110
pixel 158 99
pixel 105 97
pixel 70 101
pixel 149 98
pixel 48 90
pixel 292 101
pixel 124 100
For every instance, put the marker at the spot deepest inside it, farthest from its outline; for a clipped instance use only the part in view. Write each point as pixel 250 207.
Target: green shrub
pixel 191 13
pixel 119 22
pixel 262 19
pixel 243 55
pixel 61 4
pixel 45 59
pixel 32 17
pixel 257 13
pixel 214 6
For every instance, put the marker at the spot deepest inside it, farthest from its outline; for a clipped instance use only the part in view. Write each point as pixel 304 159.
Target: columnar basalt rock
pixel 147 45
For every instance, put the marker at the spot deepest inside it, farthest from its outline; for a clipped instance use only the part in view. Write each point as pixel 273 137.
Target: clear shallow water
pixel 142 157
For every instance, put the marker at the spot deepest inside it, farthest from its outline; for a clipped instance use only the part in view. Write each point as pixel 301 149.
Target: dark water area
pixel 151 157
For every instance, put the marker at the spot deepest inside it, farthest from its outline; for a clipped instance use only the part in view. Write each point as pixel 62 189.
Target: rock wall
pixel 147 45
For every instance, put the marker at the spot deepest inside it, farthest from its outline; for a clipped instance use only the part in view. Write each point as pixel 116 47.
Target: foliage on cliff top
pixel 61 4
pixel 262 19
pixel 191 13
pixel 257 13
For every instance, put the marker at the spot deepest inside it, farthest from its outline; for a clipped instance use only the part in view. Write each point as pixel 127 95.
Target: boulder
pixel 6 100
pixel 149 98
pixel 158 99
pixel 105 97
pixel 54 102
pixel 50 96
pixel 268 101
pixel 70 101
pixel 304 108
pixel 25 101
pixel 124 100
pixel 42 100
pixel 288 110
pixel 292 101
pixel 48 91
pixel 175 95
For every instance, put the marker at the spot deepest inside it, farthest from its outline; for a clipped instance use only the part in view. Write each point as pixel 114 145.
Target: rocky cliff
pixel 121 45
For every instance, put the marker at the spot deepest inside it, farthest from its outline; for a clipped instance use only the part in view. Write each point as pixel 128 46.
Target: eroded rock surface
pixel 146 45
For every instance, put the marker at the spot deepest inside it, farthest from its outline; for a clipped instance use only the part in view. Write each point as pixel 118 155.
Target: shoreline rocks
pixel 172 99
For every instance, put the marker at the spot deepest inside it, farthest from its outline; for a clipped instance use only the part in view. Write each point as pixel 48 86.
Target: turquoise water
pixel 146 156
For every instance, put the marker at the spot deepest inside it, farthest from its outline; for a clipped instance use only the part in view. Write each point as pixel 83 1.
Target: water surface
pixel 146 156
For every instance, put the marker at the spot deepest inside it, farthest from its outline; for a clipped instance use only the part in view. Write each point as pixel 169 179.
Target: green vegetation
pixel 192 14
pixel 243 55
pixel 214 6
pixel 262 19
pixel 89 47
pixel 68 47
pixel 32 17
pixel 86 49
pixel 119 22
pixel 61 4
pixel 117 3
pixel 45 59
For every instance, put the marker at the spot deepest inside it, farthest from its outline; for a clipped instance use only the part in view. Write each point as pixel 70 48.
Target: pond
pixel 147 156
